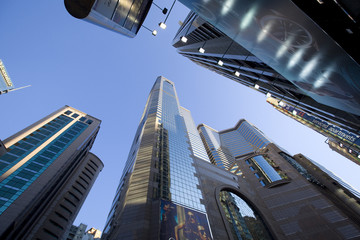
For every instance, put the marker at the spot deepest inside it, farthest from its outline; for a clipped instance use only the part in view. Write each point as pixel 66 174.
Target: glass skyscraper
pixel 330 103
pixel 160 166
pixel 46 172
pixel 184 184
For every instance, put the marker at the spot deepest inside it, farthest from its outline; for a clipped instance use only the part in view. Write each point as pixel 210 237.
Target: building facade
pixel 179 183
pixel 124 17
pixel 340 140
pixel 46 172
pixel 159 172
pixel 209 47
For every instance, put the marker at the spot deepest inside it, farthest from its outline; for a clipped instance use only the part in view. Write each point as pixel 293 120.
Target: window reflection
pixel 245 223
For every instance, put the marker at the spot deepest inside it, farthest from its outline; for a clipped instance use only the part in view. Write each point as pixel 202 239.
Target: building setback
pixel 208 46
pixel 180 183
pixel 46 172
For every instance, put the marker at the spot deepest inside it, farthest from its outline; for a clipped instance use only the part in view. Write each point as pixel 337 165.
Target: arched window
pixel 244 222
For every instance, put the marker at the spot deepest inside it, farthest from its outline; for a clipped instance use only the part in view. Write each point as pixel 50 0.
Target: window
pixel 244 221
pixel 68 112
pixel 75 115
pixel 266 169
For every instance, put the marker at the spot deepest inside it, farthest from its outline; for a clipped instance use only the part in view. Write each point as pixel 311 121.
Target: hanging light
pixel 256 86
pixel 162 25
pixel 201 50
pixel 294 112
pixel 183 39
pixel 154 32
pixel 237 73
pixel 268 94
pixel 220 63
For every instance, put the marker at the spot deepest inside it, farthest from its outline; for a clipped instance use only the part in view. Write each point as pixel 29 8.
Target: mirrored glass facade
pixel 125 16
pixel 245 223
pixel 164 146
pixel 223 147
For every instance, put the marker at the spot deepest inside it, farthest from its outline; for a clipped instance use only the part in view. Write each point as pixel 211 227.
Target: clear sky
pixel 71 62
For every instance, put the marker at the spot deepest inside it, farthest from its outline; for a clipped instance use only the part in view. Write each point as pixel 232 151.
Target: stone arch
pixel 258 219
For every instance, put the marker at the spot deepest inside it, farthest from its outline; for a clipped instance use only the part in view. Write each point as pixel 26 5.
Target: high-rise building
pixel 180 183
pixel 324 99
pixel 46 172
pixel 340 140
pixel 159 171
pixel 124 17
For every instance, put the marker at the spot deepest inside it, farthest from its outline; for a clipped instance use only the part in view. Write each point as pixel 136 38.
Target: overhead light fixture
pixel 268 95
pixel 359 156
pixel 341 145
pixel 220 63
pixel 281 103
pixel 256 86
pixel 183 39
pixel 154 32
pixel 162 25
pixel 350 151
pixel 294 112
pixel 237 73
pixel 201 50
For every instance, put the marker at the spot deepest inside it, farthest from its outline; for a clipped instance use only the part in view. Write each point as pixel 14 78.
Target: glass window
pixel 245 222
pixel 82 119
pixel 75 115
pixel 68 112
pixel 267 169
pixel 89 121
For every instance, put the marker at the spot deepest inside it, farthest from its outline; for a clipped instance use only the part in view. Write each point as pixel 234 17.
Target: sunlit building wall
pixel 160 166
pixel 46 173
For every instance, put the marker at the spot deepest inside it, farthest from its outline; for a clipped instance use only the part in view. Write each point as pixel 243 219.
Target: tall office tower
pixel 340 140
pixel 124 17
pixel 46 173
pixel 320 95
pixel 245 188
pixel 159 172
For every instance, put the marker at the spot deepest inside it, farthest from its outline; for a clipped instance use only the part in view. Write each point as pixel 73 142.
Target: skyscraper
pixel 340 140
pixel 225 54
pixel 179 183
pixel 46 172
pixel 159 170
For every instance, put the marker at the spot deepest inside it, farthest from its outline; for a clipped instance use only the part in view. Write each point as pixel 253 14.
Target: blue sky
pixel 71 62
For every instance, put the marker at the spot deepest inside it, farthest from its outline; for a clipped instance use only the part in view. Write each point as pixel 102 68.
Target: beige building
pixel 46 172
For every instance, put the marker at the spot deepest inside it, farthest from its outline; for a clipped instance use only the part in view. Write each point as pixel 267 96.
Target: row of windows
pixel 30 142
pixel 23 177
